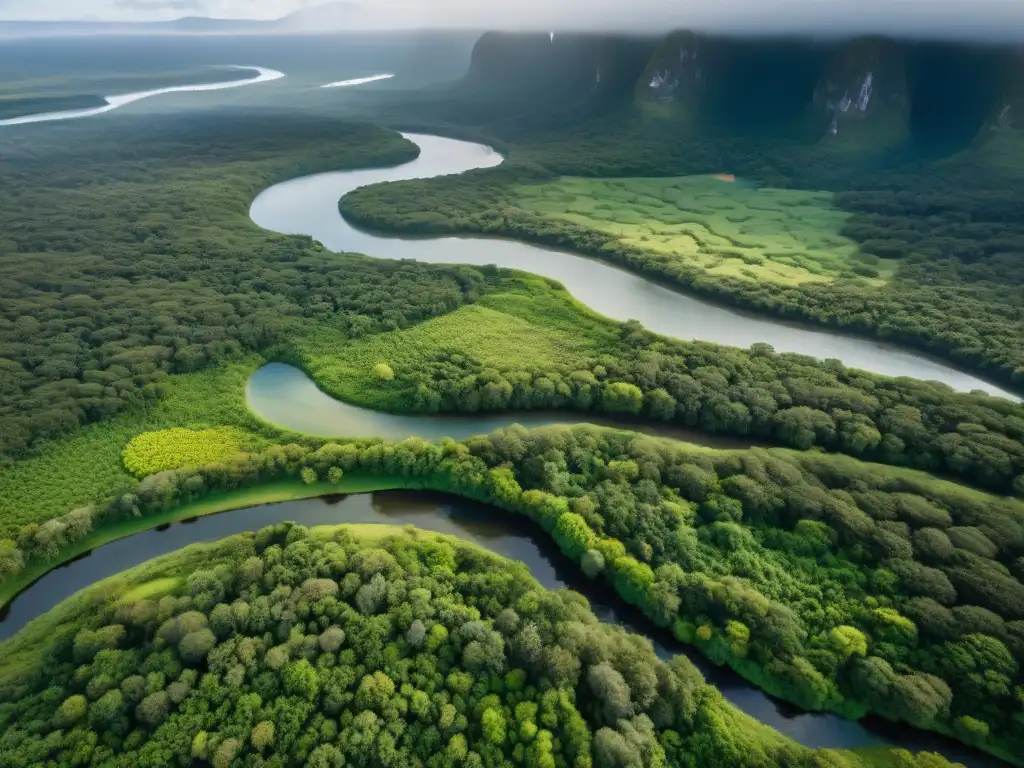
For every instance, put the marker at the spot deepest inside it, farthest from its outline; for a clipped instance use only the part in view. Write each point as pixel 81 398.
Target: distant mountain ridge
pixel 318 18
pixel 190 25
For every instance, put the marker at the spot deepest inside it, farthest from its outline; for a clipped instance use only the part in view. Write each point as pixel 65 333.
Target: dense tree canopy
pixel 127 255
pixel 830 582
pixel 265 654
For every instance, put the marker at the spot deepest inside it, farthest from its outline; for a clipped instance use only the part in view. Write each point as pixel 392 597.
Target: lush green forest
pixel 565 359
pixel 127 255
pixel 832 583
pixel 930 190
pixel 110 335
pixel 361 646
pixel 136 297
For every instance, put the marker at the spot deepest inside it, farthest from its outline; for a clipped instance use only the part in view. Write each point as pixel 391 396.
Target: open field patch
pixel 529 326
pixel 726 226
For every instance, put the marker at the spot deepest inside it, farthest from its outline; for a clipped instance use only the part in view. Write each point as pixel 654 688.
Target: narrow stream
pixel 499 532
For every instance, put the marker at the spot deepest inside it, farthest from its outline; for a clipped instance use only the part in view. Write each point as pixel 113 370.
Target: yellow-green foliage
pixel 728 228
pixel 152 588
pixel 383 372
pixel 176 448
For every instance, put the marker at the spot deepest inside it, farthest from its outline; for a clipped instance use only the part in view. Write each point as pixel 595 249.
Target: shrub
pixel 383 372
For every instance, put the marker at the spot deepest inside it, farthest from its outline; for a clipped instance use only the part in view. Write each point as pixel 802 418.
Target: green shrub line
pixel 752 633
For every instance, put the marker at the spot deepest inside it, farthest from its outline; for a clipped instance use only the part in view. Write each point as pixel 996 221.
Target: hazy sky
pixel 1003 18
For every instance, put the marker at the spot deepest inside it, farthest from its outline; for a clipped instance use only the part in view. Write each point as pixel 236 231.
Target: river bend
pixel 309 206
pixel 286 397
pixel 504 534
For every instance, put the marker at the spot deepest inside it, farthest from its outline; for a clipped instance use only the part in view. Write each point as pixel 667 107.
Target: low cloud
pixel 992 19
pixel 944 18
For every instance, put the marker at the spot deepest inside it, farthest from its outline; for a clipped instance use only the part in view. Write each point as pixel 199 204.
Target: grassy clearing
pixel 527 324
pixel 727 227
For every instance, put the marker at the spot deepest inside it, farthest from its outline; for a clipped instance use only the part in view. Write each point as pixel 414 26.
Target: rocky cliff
pixel 674 82
pixel 862 96
pixel 573 67
pixel 867 94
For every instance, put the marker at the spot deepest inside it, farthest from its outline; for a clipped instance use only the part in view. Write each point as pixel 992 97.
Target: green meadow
pixel 724 225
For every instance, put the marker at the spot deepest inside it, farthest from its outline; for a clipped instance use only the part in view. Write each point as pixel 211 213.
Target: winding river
pixel 309 206
pixel 503 534
pixel 113 102
pixel 284 396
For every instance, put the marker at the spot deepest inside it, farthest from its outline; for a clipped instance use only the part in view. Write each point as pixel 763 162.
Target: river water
pixel 114 102
pixel 499 532
pixel 309 206
pixel 284 396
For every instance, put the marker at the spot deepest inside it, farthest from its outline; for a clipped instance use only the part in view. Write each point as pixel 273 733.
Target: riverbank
pixel 159 575
pixel 278 491
pixel 707 725
pixel 505 535
pixel 286 398
pixel 309 206
pixel 938 322
pixel 23 106
pixel 110 103
pixel 702 532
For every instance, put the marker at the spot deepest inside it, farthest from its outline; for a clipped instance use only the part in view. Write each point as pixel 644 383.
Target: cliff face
pixel 870 95
pixel 729 85
pixel 862 96
pixel 1000 143
pixel 674 79
pixel 574 66
pixel 1007 114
